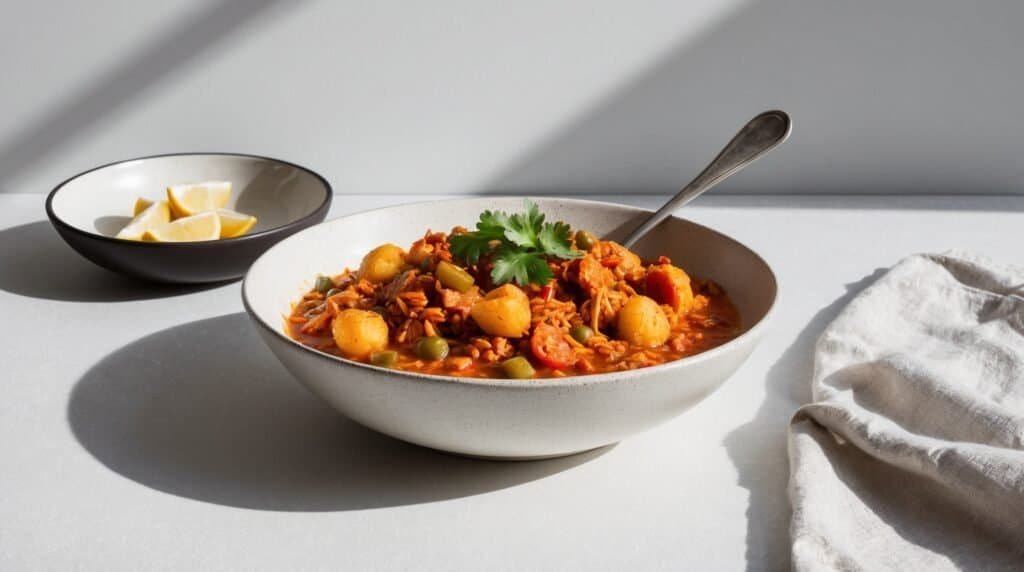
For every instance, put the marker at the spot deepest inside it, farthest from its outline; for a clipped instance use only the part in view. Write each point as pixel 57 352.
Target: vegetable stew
pixel 517 297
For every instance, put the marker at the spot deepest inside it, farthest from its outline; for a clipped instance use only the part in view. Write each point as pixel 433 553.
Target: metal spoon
pixel 760 135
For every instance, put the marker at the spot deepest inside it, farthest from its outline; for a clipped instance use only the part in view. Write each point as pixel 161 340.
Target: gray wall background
pixel 911 96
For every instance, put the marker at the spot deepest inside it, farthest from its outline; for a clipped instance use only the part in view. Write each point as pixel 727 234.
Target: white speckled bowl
pixel 496 417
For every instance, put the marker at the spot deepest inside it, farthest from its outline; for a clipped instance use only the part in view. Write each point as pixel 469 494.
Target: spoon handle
pixel 760 135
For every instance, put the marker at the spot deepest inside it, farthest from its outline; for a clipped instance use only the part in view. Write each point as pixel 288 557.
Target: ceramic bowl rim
pixel 751 333
pixel 321 209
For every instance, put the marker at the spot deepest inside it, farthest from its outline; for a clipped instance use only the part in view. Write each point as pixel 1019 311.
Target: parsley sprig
pixel 519 244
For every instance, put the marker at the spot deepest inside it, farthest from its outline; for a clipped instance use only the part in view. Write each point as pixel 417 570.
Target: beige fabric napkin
pixel 911 454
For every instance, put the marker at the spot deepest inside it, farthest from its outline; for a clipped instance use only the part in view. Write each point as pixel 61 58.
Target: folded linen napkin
pixel 911 454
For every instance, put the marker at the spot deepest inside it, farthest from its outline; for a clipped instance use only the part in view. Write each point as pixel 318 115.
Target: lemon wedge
pixel 152 216
pixel 141 204
pixel 194 198
pixel 234 223
pixel 203 226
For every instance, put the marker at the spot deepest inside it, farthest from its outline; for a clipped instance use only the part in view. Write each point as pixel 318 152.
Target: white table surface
pixel 149 429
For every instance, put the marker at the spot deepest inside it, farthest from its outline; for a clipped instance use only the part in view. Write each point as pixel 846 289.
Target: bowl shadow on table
pixel 35 262
pixel 788 385
pixel 204 411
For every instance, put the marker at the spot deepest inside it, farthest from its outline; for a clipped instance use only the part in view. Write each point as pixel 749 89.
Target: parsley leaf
pixel 520 267
pixel 523 227
pixel 469 247
pixel 556 240
pixel 520 244
pixel 492 224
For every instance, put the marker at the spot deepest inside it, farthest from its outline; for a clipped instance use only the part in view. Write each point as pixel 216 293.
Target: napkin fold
pixel 911 454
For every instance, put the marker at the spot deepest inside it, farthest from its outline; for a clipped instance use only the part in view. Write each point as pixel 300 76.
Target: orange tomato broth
pixel 710 321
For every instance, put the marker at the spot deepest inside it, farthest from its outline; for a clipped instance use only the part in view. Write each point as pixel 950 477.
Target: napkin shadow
pixel 35 262
pixel 204 411
pixel 788 385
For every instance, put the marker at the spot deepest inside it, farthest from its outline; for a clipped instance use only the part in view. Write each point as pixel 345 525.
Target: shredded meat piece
pixel 402 283
pixel 613 255
pixel 415 300
pixel 346 299
pixel 364 287
pixel 593 276
pixel 317 323
pixel 502 347
pixel 455 300
pixel 409 331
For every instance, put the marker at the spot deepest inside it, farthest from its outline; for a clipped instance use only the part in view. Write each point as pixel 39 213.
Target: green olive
pixel 433 348
pixel 581 333
pixel 518 368
pixel 425 264
pixel 323 284
pixel 332 292
pixel 454 277
pixel 386 358
pixel 585 240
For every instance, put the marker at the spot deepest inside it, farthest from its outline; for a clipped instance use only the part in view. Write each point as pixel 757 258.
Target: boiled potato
pixel 669 285
pixel 504 311
pixel 358 333
pixel 642 322
pixel 382 263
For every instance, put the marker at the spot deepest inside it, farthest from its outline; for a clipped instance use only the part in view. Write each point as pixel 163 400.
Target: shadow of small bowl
pixel 505 418
pixel 86 211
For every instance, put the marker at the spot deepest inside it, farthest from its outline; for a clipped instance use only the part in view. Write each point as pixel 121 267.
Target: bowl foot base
pixel 526 457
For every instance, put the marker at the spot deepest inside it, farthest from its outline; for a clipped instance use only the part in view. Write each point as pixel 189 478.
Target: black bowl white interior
pixel 89 209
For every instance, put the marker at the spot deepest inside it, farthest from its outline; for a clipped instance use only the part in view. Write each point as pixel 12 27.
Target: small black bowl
pixel 90 208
